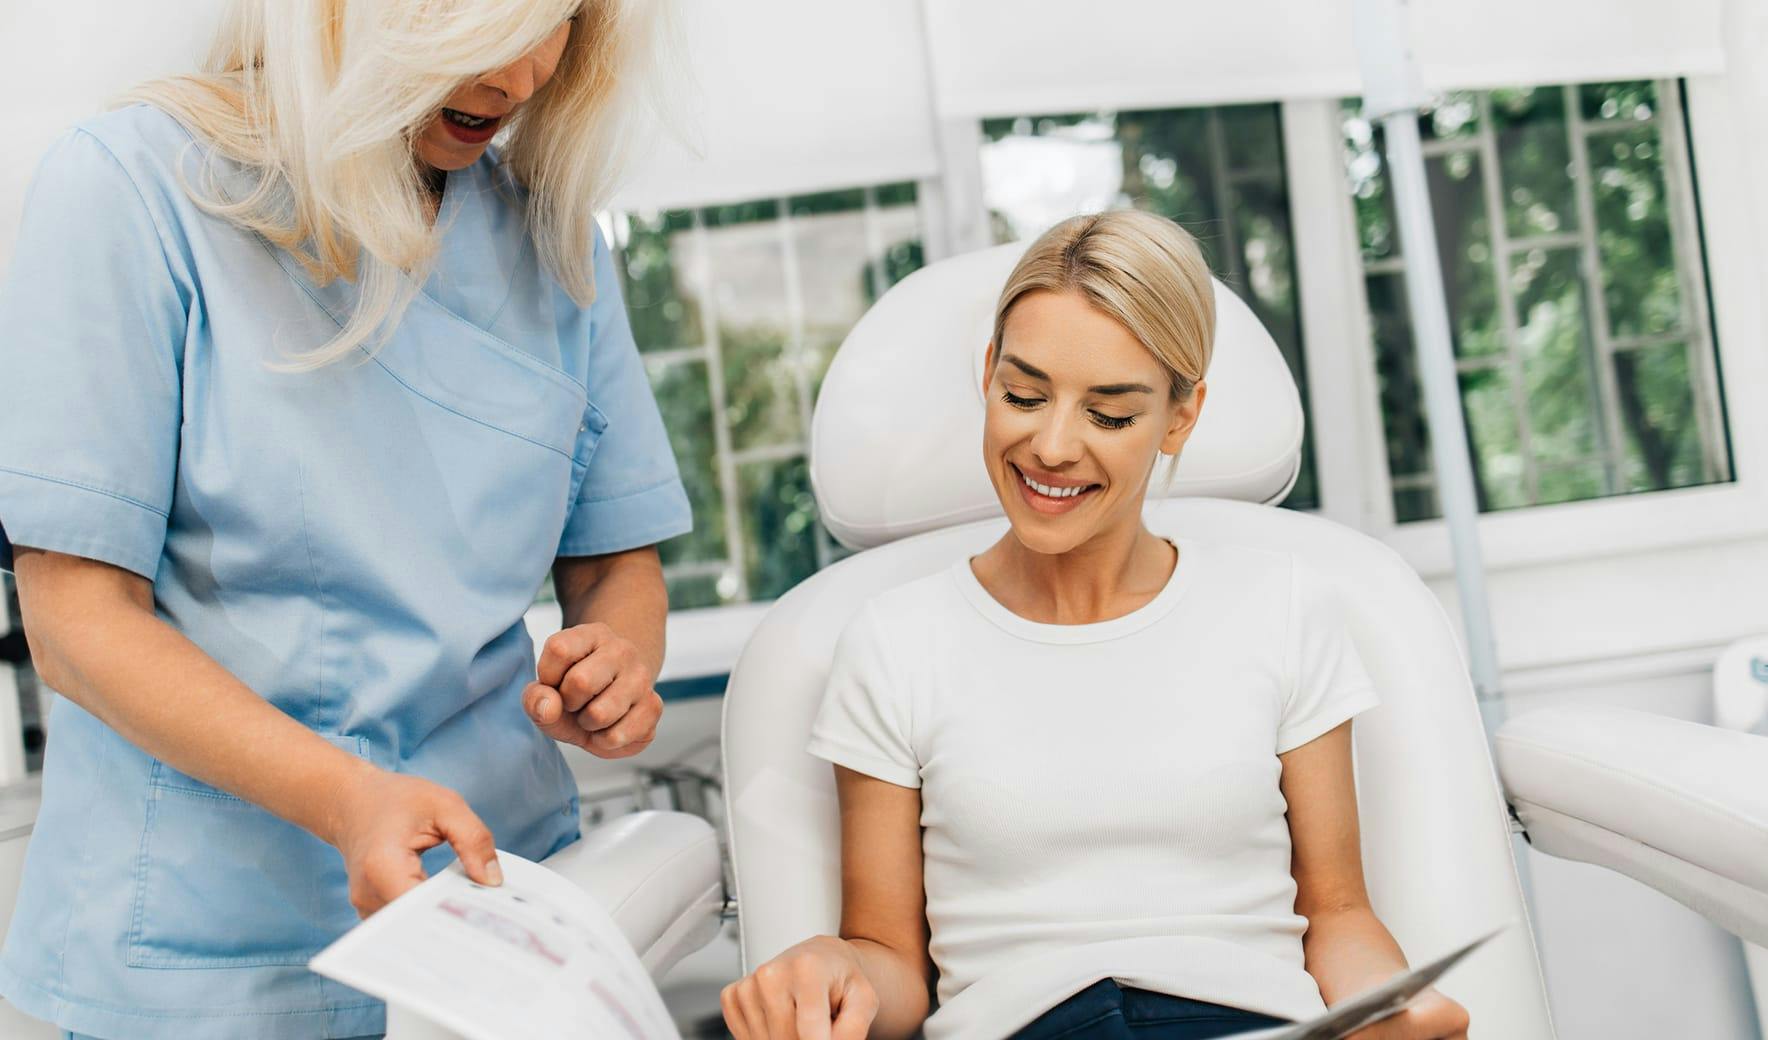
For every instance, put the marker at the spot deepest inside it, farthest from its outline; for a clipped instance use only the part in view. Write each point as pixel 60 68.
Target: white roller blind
pixel 796 96
pixel 1013 57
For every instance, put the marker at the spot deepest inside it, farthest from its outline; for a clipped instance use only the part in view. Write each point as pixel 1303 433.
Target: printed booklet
pixel 537 957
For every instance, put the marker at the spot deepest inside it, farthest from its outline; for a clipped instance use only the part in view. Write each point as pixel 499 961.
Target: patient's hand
pixel 817 990
pixel 1430 1016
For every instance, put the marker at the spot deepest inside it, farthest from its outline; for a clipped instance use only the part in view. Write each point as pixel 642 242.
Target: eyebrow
pixel 1107 388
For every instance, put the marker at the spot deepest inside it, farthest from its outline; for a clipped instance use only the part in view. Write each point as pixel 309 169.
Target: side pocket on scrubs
pixel 222 883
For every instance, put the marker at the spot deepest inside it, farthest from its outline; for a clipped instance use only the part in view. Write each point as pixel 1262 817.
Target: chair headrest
pixel 896 440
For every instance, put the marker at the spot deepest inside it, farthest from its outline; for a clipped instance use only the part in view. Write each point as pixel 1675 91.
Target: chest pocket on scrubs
pixel 220 882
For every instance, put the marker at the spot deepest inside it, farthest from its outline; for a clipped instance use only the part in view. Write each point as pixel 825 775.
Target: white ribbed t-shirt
pixel 1101 800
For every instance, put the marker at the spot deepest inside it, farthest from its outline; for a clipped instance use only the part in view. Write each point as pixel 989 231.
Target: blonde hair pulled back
pixel 1141 270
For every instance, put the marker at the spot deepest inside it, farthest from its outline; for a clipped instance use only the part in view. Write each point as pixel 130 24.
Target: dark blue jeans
pixel 1107 1011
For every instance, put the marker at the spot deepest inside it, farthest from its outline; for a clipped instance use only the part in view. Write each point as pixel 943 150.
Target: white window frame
pixel 1354 482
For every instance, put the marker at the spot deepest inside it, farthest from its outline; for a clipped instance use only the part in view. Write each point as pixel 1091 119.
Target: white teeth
pixel 1052 492
pixel 463 119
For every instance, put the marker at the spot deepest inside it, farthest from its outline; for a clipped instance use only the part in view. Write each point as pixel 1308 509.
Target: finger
pixel 733 1014
pixel 639 725
pixel 853 1016
pixel 773 986
pixel 589 677
pixel 812 1013
pixel 542 703
pixel 749 1001
pixel 565 648
pixel 471 841
pixel 386 877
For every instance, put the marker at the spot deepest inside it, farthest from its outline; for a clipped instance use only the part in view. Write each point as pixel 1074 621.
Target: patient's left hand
pixel 593 690
pixel 1430 1016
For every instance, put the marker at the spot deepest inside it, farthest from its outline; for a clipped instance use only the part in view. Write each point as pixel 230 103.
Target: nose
pixel 1056 442
pixel 515 81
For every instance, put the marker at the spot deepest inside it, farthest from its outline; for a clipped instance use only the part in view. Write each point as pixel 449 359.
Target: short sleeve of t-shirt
pixel 864 722
pixel 94 313
pixel 1326 680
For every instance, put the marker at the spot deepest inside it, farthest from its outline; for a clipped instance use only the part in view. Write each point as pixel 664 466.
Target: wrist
pixel 342 779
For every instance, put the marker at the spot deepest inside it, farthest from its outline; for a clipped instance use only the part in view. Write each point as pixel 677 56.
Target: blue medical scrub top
pixel 357 544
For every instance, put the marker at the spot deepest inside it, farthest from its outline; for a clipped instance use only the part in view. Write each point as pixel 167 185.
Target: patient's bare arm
pixel 1346 947
pixel 874 979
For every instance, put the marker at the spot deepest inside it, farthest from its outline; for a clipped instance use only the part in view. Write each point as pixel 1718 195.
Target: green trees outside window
pixel 738 310
pixel 1571 256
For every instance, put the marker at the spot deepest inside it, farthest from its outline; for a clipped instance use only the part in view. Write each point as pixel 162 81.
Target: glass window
pixel 738 310
pixel 1217 171
pixel 1571 258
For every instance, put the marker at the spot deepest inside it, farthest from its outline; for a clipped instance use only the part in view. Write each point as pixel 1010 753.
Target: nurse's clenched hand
pixel 383 822
pixel 594 691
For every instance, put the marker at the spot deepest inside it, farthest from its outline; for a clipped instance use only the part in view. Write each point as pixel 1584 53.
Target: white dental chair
pixel 897 466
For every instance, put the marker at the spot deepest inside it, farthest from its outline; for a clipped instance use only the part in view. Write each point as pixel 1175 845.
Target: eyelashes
pixel 1109 422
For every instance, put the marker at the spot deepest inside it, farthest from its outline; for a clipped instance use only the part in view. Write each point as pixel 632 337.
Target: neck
pixel 1105 577
pixel 434 182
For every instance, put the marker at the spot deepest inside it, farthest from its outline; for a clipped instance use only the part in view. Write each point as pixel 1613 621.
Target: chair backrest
pixel 1437 849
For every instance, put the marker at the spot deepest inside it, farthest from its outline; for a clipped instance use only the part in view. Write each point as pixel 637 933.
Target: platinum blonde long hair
pixel 322 100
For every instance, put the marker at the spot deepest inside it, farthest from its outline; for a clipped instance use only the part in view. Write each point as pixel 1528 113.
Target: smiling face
pixel 1078 410
pixel 456 137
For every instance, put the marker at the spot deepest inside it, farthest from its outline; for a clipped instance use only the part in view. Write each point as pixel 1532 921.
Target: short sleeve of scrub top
pixel 632 495
pixel 96 310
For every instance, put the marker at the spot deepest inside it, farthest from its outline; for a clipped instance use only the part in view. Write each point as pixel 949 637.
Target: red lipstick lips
pixel 468 128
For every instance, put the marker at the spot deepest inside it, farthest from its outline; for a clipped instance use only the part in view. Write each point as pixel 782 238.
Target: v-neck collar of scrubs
pixel 476 258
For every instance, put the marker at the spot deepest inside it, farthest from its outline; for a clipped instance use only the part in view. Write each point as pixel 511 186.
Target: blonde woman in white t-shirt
pixel 1095 783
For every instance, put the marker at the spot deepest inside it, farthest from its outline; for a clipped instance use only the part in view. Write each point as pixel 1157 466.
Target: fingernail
pixel 493 873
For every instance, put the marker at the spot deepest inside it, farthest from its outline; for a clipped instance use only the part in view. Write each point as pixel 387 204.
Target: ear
pixel 988 366
pixel 1185 418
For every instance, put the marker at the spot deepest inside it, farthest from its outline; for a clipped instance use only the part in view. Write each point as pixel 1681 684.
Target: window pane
pixel 685 400
pixel 1492 434
pixel 1657 410
pixel 1604 102
pixel 1633 233
pixel 690 591
pixel 1571 390
pixel 1464 248
pixel 656 259
pixel 780 525
pixel 763 291
pixel 1554 350
pixel 1534 153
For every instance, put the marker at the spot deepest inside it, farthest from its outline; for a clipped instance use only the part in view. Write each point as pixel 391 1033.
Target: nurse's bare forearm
pixel 95 639
pixel 623 590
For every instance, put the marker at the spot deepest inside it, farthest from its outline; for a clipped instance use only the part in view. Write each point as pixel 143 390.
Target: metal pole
pixel 1393 96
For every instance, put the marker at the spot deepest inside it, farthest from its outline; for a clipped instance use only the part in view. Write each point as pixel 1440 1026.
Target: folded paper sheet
pixel 535 957
pixel 1372 1005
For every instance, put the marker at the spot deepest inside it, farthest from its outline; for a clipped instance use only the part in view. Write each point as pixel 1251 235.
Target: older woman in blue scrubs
pixel 280 582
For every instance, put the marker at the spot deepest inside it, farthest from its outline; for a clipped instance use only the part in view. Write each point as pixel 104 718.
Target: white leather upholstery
pixel 1436 842
pixel 1680 806
pixel 896 442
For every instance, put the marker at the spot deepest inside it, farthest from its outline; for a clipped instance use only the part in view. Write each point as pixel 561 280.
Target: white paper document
pixel 535 957
pixel 1371 1005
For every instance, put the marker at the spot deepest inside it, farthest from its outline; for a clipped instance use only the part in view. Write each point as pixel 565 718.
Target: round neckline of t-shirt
pixel 1092 632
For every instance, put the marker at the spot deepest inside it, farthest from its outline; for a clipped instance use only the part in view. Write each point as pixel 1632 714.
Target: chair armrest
pixel 658 874
pixel 1677 805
